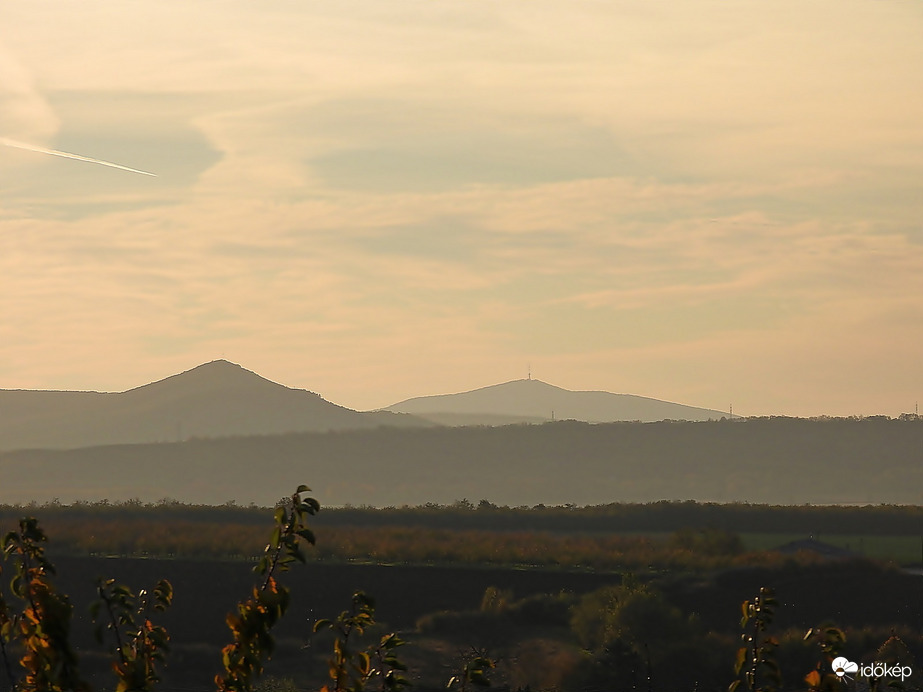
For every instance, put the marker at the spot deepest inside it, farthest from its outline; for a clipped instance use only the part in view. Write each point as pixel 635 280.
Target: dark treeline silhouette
pixel 662 516
pixel 463 514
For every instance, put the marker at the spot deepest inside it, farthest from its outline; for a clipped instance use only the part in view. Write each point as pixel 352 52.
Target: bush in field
pixel 500 617
pixel 633 613
pixel 495 600
pixel 634 638
pixel 542 610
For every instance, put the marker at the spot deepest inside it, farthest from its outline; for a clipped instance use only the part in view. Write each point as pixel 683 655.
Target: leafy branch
pixel 352 669
pixel 473 672
pixel 756 665
pixel 43 627
pixel 252 624
pixel 143 644
pixel 6 635
pixel 831 641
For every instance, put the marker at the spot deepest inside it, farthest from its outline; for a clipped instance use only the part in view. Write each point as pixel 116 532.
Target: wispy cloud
pixel 696 202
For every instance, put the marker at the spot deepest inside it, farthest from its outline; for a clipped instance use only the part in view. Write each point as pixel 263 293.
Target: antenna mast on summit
pixel 529 368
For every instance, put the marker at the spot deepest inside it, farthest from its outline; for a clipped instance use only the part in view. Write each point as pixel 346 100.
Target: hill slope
pixel 778 461
pixel 217 399
pixel 531 401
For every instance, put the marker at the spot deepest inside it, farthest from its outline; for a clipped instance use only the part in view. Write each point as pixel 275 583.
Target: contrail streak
pixel 63 154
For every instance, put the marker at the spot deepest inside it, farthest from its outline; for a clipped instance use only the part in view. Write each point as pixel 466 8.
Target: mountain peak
pixel 215 399
pixel 218 363
pixel 525 382
pixel 531 400
pixel 216 375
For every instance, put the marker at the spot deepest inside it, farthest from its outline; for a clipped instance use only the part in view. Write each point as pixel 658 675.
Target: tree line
pixel 656 517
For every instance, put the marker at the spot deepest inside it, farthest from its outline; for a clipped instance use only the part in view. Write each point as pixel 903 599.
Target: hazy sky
pixel 706 202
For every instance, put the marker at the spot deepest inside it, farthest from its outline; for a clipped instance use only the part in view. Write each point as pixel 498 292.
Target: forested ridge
pixel 771 461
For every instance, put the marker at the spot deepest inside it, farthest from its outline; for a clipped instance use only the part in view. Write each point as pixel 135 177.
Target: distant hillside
pixel 529 401
pixel 776 461
pixel 221 399
pixel 217 399
pixel 457 420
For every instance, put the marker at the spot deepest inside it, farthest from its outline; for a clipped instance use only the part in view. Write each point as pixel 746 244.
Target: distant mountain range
pixel 222 399
pixel 219 432
pixel 534 401
pixel 217 399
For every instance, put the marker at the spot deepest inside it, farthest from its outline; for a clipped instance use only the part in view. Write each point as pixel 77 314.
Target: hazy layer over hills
pixel 220 399
pixel 778 461
pixel 216 399
pixel 219 432
pixel 530 401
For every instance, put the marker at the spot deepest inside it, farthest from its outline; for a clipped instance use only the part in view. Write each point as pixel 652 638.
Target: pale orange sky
pixel 705 202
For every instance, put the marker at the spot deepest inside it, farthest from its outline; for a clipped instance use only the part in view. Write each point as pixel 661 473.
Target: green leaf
pixel 262 565
pixel 740 659
pixel 308 535
pixel 296 553
pixel 163 592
